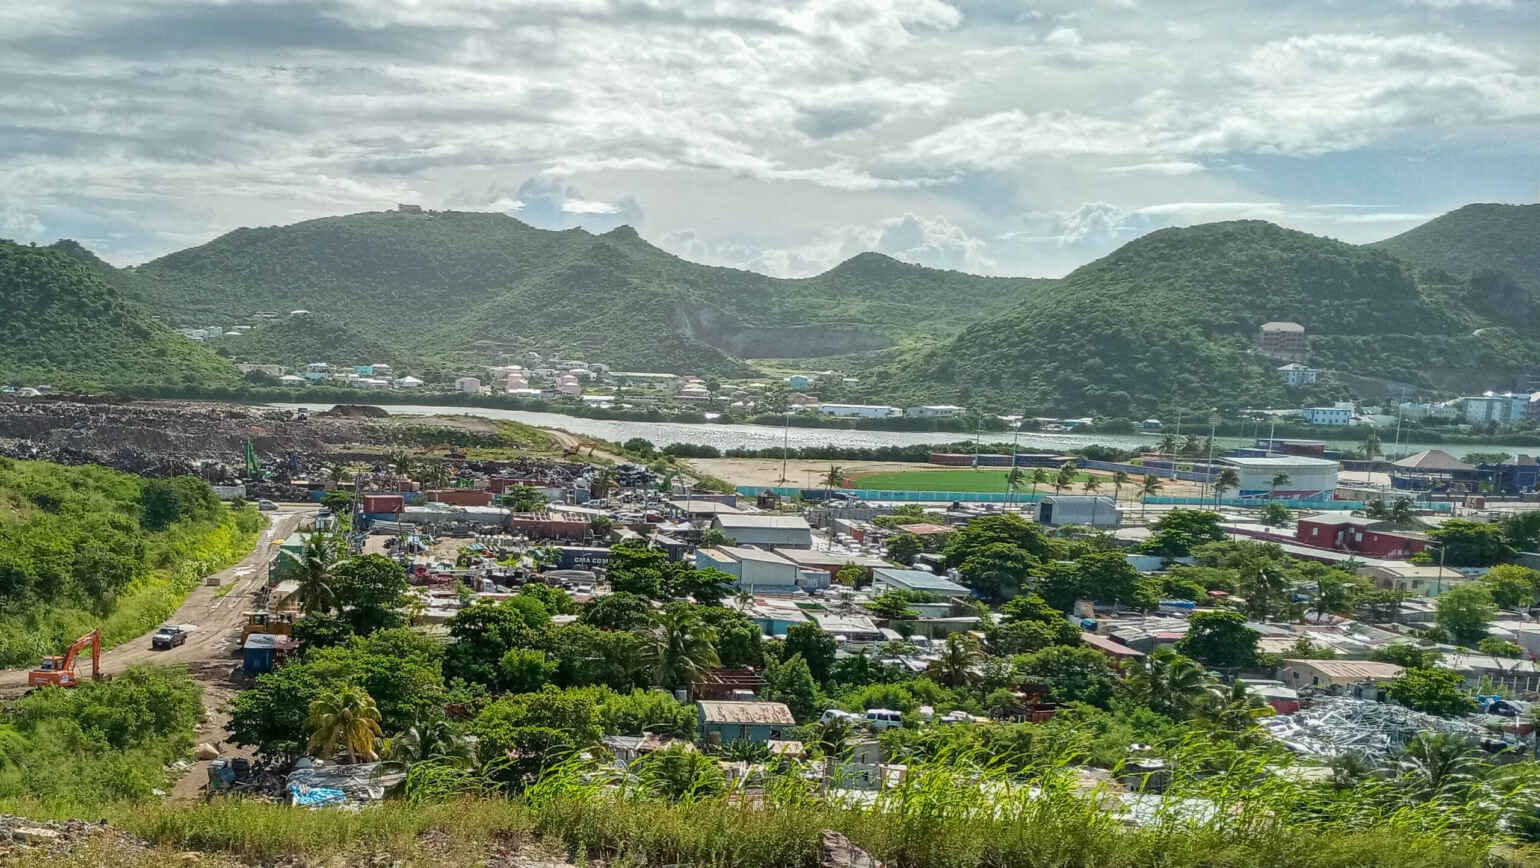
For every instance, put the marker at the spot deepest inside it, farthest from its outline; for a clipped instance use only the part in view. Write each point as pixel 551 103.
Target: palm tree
pixel 1226 481
pixel 1169 683
pixel 1279 478
pixel 1190 445
pixel 1120 478
pixel 831 738
pixel 1149 486
pixel 345 718
pixel 1039 476
pixel 1371 448
pixel 1438 765
pixel 1168 445
pixel 1012 480
pixel 679 648
pixel 315 592
pixel 602 482
pixel 432 740
pixel 401 462
pixel 835 478
pixel 959 656
pixel 1091 485
pixel 1065 477
pixel 1402 514
pixel 1233 708
pixel 1376 508
pixel 336 472
pixel 435 474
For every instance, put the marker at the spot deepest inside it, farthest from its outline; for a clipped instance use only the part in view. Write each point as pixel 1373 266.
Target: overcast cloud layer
pixel 985 135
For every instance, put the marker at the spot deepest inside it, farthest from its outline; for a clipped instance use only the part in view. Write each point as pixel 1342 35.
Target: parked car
pixel 833 714
pixel 168 637
pixel 266 505
pixel 884 718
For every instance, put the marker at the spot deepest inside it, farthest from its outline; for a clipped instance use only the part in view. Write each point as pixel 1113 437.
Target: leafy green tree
pixel 1512 586
pixel 1500 648
pixel 586 655
pixel 525 670
pixel 270 717
pixel 484 632
pixel 987 530
pixel 712 537
pixel 1110 577
pixel 1433 691
pixel 851 575
pixel 739 641
pixel 708 586
pixel 1070 674
pixel 519 736
pixel 1464 611
pixel 1276 514
pixel 338 501
pixel 1406 655
pixel 814 645
pixel 679 648
pixel 1378 607
pixel 892 604
pixel 1521 531
pixel 344 719
pixel 642 711
pixel 903 547
pixel 635 568
pixel 1466 543
pixel 1220 639
pixel 616 611
pixel 791 681
pixel 555 600
pixel 1179 531
pixel 997 570
pixel 1259 570
pixel 369 591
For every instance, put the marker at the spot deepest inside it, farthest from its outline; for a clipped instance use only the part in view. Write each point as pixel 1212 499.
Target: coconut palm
pixel 1401 512
pixel 1039 476
pixel 602 482
pixel 959 657
pixel 1065 477
pixel 1149 486
pixel 1438 765
pixel 401 462
pixel 1233 708
pixel 431 740
pixel 1168 444
pixel 345 719
pixel 679 647
pixel 1169 683
pixel 315 592
pixel 1227 480
pixel 1120 478
pixel 835 478
pixel 831 738
pixel 1013 479
pixel 1279 479
pixel 434 474
pixel 1091 484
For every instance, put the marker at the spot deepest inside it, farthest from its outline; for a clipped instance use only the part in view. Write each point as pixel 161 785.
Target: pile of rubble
pixel 58 839
pixel 1336 725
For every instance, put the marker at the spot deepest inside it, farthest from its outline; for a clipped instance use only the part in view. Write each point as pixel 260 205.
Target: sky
pixel 991 136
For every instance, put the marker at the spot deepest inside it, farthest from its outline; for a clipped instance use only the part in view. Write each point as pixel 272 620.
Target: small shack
pixel 761 722
pixel 264 652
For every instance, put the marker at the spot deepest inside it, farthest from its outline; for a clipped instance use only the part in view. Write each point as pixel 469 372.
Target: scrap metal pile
pixel 1342 725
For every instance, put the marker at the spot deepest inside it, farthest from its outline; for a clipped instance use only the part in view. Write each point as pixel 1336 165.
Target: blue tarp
pixel 316 797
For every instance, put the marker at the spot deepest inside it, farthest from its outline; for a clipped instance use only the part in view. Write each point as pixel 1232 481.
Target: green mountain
pixel 66 325
pixel 468 287
pixel 1171 319
pixel 298 340
pixel 1474 239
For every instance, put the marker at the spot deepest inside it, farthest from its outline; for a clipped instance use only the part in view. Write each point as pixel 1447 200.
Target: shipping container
pixel 383 503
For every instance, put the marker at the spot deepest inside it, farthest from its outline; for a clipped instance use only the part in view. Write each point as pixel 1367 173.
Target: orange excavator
pixel 60 671
pixel 577 448
pixel 452 451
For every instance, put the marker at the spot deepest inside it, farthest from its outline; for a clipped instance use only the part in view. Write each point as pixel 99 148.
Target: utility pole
pixel 1208 472
pixel 785 444
pixel 1010 487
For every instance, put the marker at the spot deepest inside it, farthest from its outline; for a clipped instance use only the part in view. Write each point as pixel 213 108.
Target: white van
pixel 833 714
pixel 884 718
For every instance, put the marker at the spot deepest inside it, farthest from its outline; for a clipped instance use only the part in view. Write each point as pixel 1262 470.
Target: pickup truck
pixel 168 637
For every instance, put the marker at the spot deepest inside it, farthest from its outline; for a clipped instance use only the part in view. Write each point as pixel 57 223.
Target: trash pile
pixel 314 785
pixel 1337 725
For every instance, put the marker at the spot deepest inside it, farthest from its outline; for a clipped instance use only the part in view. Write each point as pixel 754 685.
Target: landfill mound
pixel 1336 725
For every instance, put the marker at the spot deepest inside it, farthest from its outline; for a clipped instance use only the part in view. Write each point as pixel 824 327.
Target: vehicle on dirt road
pixel 266 505
pixel 168 637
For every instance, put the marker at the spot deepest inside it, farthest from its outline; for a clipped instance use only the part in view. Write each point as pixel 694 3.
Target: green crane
pixel 253 467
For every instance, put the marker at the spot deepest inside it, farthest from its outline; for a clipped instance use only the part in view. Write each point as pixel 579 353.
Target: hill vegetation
pixel 460 285
pixel 66 325
pixel 86 547
pixel 298 340
pixel 1476 238
pixel 1172 318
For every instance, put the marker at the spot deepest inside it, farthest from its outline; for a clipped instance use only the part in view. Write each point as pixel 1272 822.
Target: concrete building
pixel 768 531
pixel 860 411
pixel 1372 537
pixel 934 411
pixel 1284 340
pixel 1327 415
pixel 1091 510
pixel 757 571
pixel 1423 580
pixel 468 384
pixel 407 382
pixel 271 370
pixel 1296 374
pixel 1505 409
pixel 727 722
pixel 1309 478
pixel 893 578
pixel 644 379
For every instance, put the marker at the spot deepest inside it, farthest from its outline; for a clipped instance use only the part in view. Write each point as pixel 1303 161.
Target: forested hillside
pixel 458 285
pixel 86 547
pixel 1474 239
pixel 64 325
pixel 1171 319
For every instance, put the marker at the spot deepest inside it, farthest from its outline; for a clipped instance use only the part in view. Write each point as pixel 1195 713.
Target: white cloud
pixel 1159 167
pixel 545 202
pixel 19 225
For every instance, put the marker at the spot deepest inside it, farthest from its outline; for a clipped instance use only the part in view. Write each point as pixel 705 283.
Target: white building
pixel 1416 411
pixel 770 531
pixel 934 411
pixel 862 411
pixel 1327 415
pixel 1309 478
pixel 407 383
pixel 1296 374
pixel 468 384
pixel 1504 409
pixel 757 571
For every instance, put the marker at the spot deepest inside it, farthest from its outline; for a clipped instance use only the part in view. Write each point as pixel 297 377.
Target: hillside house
pixel 727 722
pixel 1296 374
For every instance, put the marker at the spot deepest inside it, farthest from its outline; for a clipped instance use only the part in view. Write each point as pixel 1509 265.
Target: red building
pixel 1371 537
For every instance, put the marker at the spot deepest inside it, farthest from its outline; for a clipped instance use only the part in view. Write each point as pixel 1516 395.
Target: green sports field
pixel 989 479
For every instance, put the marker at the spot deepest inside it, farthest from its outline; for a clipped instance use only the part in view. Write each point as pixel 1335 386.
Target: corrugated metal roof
pixel 746 712
pixel 1368 670
pixel 919 580
pixel 787 522
pixel 1433 460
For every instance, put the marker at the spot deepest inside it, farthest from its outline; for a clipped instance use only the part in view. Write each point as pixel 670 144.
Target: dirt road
pixel 215 621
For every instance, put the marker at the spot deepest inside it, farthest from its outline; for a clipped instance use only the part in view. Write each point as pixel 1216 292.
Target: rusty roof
pixel 746 712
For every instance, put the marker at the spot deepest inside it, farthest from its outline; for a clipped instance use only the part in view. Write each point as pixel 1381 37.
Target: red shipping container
pixel 461 496
pixel 383 503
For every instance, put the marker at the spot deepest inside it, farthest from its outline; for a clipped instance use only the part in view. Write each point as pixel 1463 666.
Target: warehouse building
pixel 1308 478
pixel 766 531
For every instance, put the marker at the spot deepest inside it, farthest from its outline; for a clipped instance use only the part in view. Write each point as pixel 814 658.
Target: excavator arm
pixel 61 670
pixel 92 639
